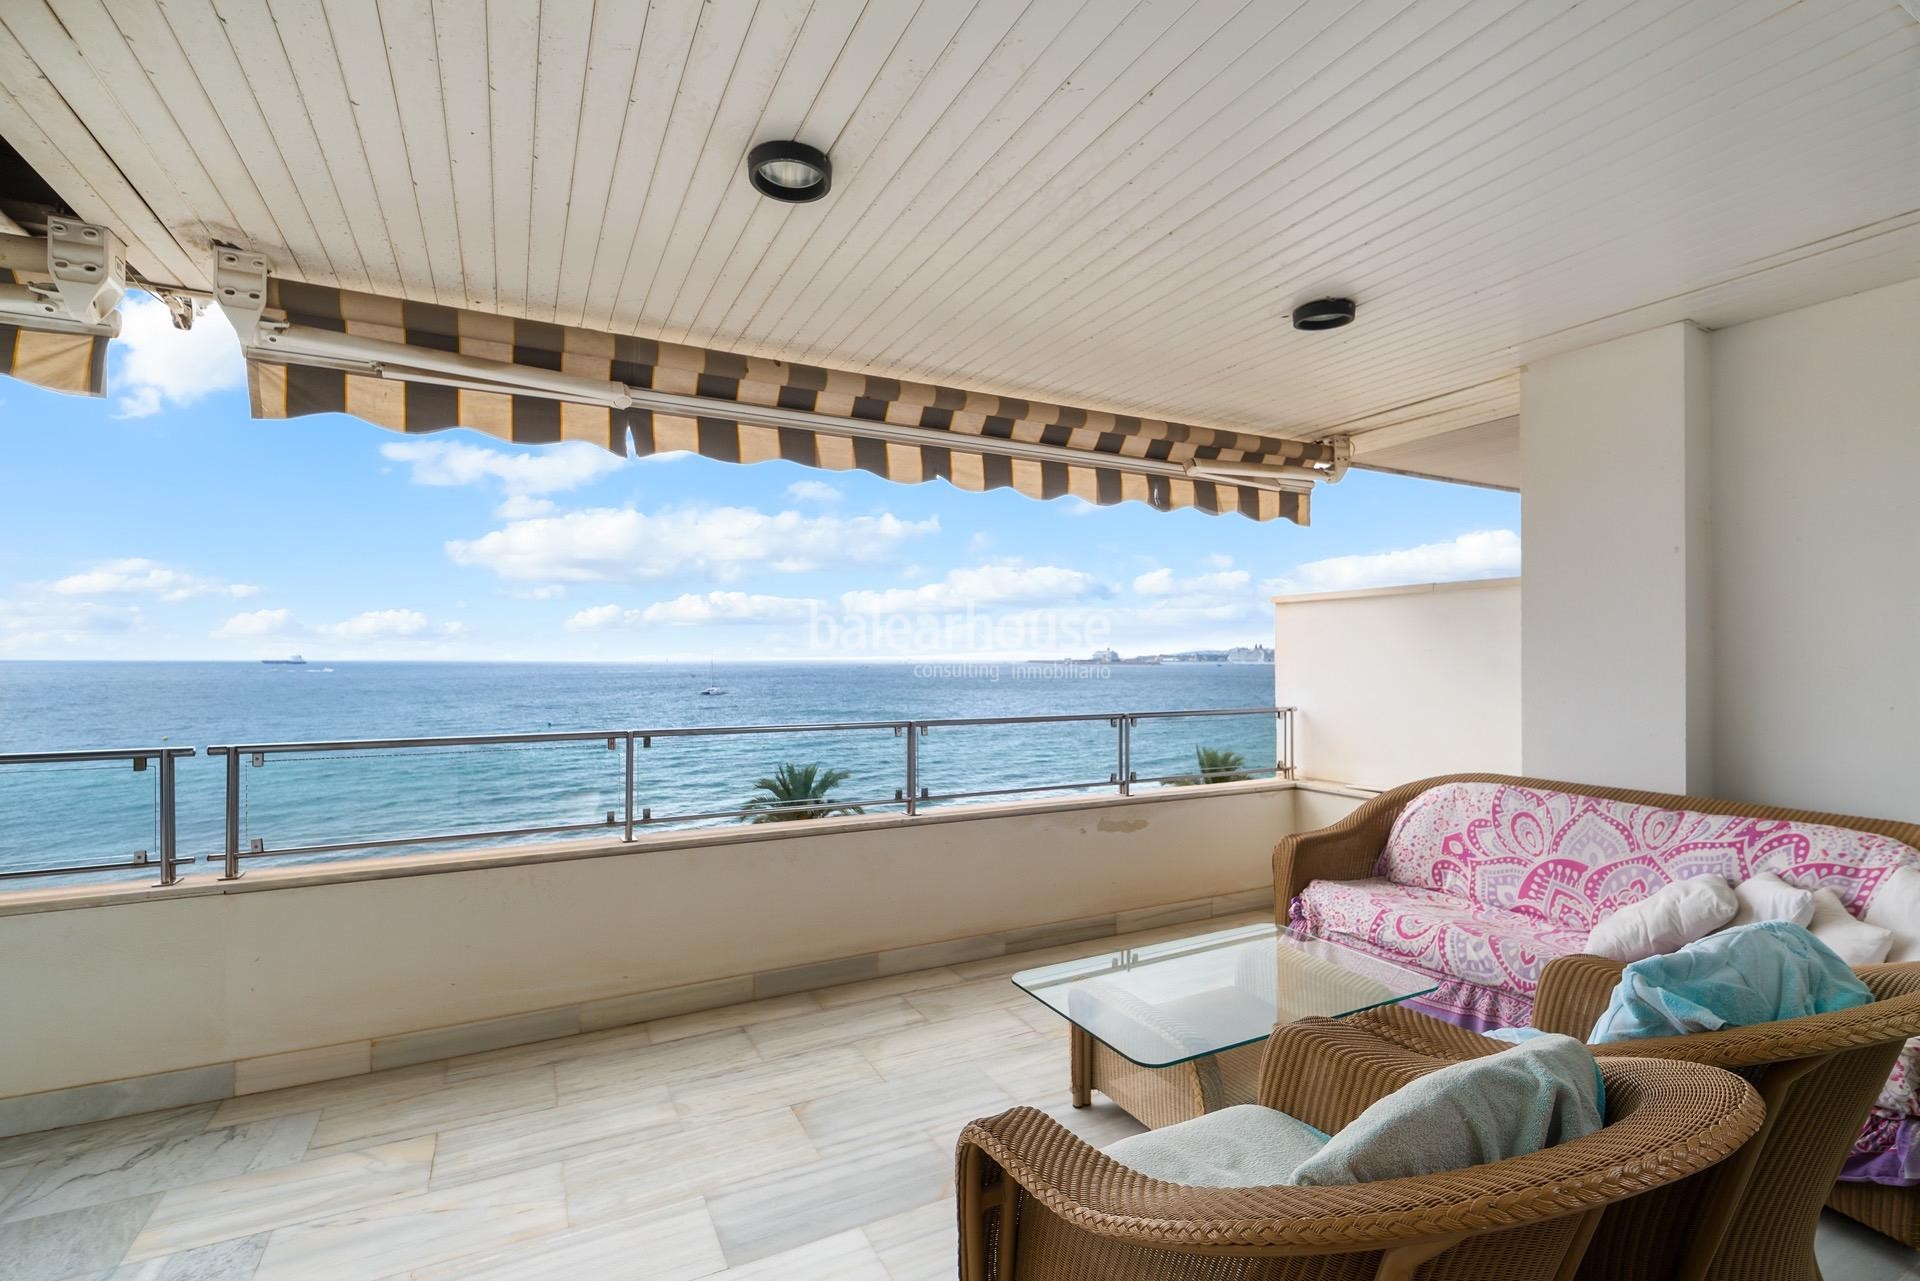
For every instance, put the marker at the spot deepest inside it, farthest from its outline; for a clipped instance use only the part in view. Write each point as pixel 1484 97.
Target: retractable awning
pixel 419 367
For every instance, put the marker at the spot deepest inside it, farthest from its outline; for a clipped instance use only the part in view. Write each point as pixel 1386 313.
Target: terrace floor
pixel 809 1136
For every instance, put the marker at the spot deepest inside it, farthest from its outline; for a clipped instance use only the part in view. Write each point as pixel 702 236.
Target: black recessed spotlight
pixel 790 171
pixel 1326 313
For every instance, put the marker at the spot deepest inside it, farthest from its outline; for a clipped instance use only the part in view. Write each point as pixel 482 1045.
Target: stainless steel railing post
pixel 913 768
pixel 629 834
pixel 1125 727
pixel 230 870
pixel 169 832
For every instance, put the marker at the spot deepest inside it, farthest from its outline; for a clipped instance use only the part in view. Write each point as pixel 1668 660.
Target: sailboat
pixel 712 687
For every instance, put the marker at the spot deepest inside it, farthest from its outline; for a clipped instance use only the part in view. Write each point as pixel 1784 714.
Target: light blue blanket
pixel 1750 974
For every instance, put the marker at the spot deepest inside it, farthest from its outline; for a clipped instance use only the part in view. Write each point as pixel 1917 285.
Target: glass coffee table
pixel 1174 1029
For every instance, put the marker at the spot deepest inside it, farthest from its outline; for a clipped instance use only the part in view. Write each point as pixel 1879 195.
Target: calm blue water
pixel 56 816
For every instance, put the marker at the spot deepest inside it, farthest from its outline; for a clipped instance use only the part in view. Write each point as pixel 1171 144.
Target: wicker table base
pixel 1163 1096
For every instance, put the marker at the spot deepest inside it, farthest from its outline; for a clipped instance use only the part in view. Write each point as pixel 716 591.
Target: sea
pixel 79 815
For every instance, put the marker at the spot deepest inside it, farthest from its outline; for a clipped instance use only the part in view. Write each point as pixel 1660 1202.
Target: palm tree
pixel 1216 765
pixel 798 792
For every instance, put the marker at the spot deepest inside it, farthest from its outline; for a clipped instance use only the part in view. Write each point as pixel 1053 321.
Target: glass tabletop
pixel 1168 1003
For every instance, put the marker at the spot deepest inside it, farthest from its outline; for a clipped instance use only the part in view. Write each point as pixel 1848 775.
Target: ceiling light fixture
pixel 1326 313
pixel 790 171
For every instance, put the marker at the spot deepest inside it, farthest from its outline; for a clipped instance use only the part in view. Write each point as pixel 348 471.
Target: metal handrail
pixel 910 799
pixel 165 802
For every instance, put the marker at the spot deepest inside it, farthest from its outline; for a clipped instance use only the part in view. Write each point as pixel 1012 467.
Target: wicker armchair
pixel 1349 849
pixel 1037 1203
pixel 1752 1218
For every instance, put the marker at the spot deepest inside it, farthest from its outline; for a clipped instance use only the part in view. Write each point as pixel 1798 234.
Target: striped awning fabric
pixel 71 362
pixel 960 426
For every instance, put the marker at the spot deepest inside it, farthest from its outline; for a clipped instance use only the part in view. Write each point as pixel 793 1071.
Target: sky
pixel 161 522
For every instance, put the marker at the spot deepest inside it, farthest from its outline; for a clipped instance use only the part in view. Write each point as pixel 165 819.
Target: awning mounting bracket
pixel 88 267
pixel 240 287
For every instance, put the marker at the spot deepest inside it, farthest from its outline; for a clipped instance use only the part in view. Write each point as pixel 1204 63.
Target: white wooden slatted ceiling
pixel 1113 203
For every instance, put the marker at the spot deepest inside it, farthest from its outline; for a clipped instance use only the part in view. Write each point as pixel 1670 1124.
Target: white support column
pixel 1616 678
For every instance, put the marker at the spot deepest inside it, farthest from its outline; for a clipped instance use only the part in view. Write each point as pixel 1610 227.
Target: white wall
pixel 1816 546
pixel 1615 616
pixel 1399 683
pixel 1732 609
pixel 188 979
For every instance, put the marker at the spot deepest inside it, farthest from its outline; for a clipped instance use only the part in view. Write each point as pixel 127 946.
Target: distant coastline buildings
pixel 1238 654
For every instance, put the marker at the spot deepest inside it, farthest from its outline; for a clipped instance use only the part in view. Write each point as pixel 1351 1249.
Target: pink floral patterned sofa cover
pixel 1481 884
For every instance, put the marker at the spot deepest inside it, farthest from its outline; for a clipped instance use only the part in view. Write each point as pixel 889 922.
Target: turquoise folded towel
pixel 1750 974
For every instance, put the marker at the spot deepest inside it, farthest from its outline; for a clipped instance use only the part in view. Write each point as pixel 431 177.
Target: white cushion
pixel 1665 921
pixel 1896 907
pixel 1238 1147
pixel 1855 942
pixel 1768 898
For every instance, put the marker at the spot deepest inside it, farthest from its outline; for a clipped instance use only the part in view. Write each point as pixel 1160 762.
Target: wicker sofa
pixel 1489 879
pixel 1038 1204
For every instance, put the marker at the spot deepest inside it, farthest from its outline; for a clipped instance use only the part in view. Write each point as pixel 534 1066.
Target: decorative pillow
pixel 1768 898
pixel 1666 921
pixel 1247 1146
pixel 1504 1105
pixel 1896 907
pixel 1856 942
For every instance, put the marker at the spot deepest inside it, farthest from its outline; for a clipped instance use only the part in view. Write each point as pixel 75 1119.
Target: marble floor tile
pixel 773 1212
pixel 674 1244
pixel 825 1028
pixel 392 1238
pixel 920 1245
pixel 644 1066
pixel 976 996
pixel 846 1256
pixel 131 1170
pixel 1848 1251
pixel 51 1145
pixel 745 1014
pixel 891 985
pixel 471 1152
pixel 355 1123
pixel 657 1170
pixel 257 1203
pixel 72 1243
pixel 222 1261
pixel 561 1050
pixel 771 1084
pixel 910 1050
pixel 938 1104
pixel 367 1089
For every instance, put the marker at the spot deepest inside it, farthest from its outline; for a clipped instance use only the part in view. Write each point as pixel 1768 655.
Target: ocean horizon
pixel 102 813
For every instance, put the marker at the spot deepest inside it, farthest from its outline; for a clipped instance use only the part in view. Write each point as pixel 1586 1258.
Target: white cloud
pixel 523 507
pixel 162 367
pixel 980 542
pixel 598 618
pixel 55 628
pixel 608 545
pixel 813 491
pixel 375 624
pixel 695 609
pixel 981 585
pixel 548 469
pixel 260 622
pixel 1162 582
pixel 1220 560
pixel 136 574
pixel 1488 553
